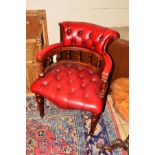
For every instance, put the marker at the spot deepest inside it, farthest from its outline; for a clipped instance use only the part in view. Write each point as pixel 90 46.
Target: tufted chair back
pixel 87 35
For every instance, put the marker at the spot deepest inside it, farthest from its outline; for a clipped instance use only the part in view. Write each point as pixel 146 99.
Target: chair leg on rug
pixel 40 102
pixel 94 120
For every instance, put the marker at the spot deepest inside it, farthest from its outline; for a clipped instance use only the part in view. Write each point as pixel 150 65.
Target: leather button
pixel 68 73
pixel 83 44
pixel 86 96
pixel 59 87
pixel 93 47
pixel 79 33
pixel 93 80
pixel 81 76
pixel 72 91
pixel 90 35
pixel 79 68
pixel 57 70
pixel 68 31
pixel 58 78
pixel 83 85
pixel 45 83
pixel 91 72
pixel 70 81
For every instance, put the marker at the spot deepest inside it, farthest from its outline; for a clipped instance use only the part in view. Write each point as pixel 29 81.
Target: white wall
pixel 111 13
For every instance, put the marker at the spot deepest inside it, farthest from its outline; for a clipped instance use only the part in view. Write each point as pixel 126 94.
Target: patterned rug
pixel 65 132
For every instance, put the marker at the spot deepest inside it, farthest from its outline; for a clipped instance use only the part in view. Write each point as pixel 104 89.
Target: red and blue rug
pixel 65 132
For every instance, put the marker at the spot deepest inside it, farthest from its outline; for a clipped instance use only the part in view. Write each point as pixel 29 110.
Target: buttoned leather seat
pixel 71 86
pixel 79 77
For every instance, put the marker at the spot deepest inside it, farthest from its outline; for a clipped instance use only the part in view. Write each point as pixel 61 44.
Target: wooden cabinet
pixel 36 39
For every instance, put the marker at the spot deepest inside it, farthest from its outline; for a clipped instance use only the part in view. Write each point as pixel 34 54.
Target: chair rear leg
pixel 94 120
pixel 40 102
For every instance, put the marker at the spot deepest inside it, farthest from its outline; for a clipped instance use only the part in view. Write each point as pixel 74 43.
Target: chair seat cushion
pixel 71 86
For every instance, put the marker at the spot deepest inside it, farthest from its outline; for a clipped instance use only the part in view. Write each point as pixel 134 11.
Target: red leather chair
pixel 79 77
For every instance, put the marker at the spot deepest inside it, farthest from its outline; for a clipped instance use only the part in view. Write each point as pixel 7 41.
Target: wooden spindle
pixel 48 61
pixel 51 59
pixel 79 56
pixel 90 58
pixel 58 58
pixel 41 74
pixel 68 55
pixel 98 63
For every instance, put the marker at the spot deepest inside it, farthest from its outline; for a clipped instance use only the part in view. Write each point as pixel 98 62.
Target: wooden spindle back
pixel 75 55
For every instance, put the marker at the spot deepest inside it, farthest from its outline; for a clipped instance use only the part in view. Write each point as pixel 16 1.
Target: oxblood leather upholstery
pixel 71 86
pixel 76 86
pixel 87 35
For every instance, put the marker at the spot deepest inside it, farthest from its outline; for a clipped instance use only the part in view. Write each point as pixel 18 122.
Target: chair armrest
pixel 42 54
pixel 108 65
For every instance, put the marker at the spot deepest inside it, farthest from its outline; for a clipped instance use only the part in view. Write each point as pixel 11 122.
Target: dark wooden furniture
pixel 118 143
pixel 36 39
pixel 119 52
pixel 78 79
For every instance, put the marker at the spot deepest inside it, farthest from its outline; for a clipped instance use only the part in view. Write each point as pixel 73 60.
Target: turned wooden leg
pixel 40 102
pixel 94 120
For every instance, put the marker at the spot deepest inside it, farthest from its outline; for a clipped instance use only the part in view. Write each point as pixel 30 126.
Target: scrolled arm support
pixel 41 55
pixel 103 86
pixel 108 65
pixel 105 73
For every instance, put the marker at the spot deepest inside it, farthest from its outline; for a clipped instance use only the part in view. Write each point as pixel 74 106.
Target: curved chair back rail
pixel 74 54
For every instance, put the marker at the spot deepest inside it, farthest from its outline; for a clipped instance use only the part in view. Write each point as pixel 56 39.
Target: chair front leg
pixel 94 120
pixel 40 102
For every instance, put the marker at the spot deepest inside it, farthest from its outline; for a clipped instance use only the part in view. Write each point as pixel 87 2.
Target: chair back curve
pixel 87 35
